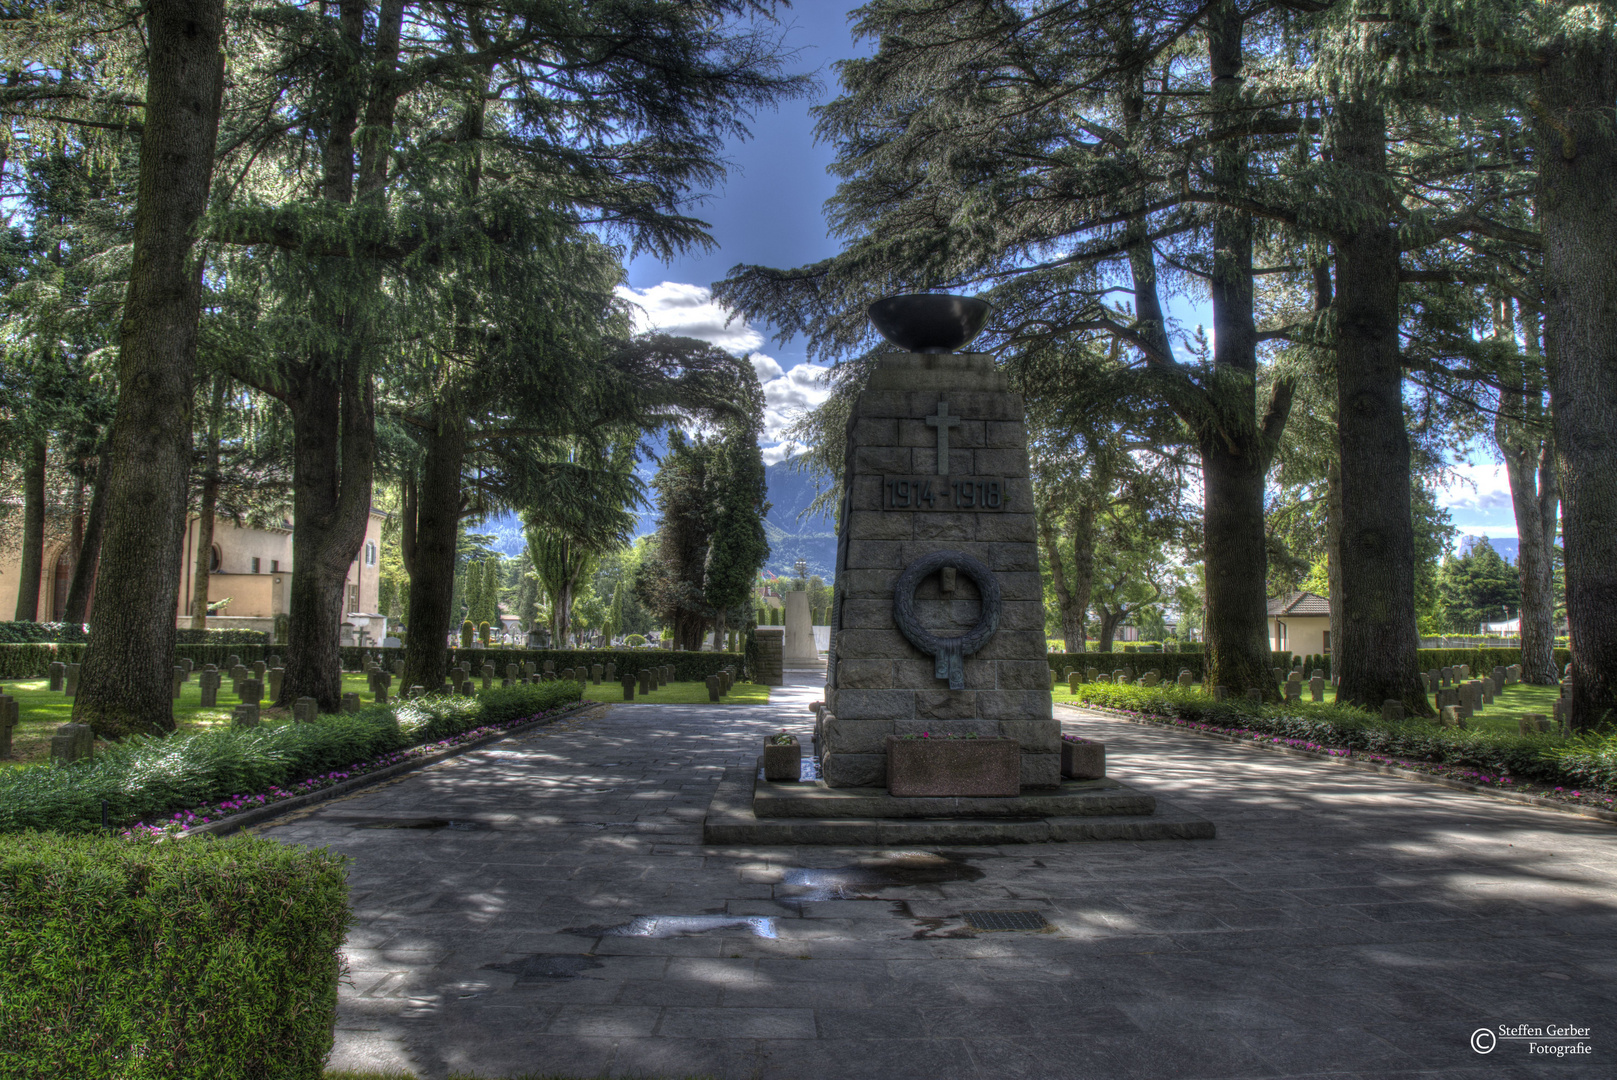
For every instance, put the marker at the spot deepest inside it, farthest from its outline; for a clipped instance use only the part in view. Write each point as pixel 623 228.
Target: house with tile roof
pixel 1300 622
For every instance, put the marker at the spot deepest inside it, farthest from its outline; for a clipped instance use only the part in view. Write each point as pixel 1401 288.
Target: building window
pixel 275 566
pixel 1327 646
pixel 255 564
pixel 1280 635
pixel 353 598
pixel 370 553
pixel 213 560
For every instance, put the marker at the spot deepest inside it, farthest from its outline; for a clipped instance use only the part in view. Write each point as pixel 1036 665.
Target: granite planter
pixel 1084 760
pixel 783 762
pixel 986 768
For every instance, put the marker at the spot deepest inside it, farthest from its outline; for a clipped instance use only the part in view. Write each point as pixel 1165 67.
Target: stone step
pixel 731 821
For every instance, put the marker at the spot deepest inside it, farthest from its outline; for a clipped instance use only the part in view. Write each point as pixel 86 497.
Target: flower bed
pixel 1575 771
pixel 149 779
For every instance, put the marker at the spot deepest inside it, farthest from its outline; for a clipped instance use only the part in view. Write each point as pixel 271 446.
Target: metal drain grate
pixel 1005 920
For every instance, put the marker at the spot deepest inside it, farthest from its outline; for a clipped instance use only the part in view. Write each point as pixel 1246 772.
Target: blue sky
pixel 769 211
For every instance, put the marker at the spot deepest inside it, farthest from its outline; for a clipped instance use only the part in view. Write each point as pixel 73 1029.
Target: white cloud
pixel 787 396
pixel 1479 486
pixel 766 367
pixel 689 311
pixel 774 455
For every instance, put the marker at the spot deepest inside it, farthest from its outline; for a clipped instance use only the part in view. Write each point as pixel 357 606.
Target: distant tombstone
pixel 274 660
pixel 511 671
pixel 1072 683
pixel 645 681
pixel 1498 677
pixel 1316 688
pixel 350 703
pixel 58 673
pixel 712 688
pixel 1392 709
pixel 611 671
pixel 232 661
pixel 381 693
pixel 1448 695
pixel 1485 684
pixel 1128 674
pixel 305 710
pixel 488 676
pixel 1295 675
pixel 398 669
pixel 1102 676
pixel 189 665
pixel 9 718
pixel 391 642
pixel 1294 690
pixel 727 681
pixel 1091 673
pixel 179 680
pixel 259 667
pixel 1425 683
pixel 1445 675
pixel 550 665
pixel 252 691
pixel 73 742
pixel 277 675
pixel 596 671
pixel 566 674
pixel 1119 677
pixel 70 684
pixel 1533 723
pixel 208 685
pixel 1148 679
pixel 467 688
pixel 1465 671
pixel 1186 680
pixel 628 687
pixel 1054 678
pixel 1449 716
pixel 1563 715
pixel 245 715
pixel 1317 673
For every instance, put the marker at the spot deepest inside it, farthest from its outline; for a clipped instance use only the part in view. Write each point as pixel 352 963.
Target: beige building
pixel 251 568
pixel 1301 623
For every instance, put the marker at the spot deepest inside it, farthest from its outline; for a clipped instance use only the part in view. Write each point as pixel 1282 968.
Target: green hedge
pixel 1168 665
pixel 209 958
pixel 23 632
pixel 1524 756
pixel 188 636
pixel 688 666
pixel 34 661
pixel 143 778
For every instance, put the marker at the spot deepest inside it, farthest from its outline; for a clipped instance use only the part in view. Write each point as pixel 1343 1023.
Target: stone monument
pixel 937 724
pixel 938 620
pixel 799 628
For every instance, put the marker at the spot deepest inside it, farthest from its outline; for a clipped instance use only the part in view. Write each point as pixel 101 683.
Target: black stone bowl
pixel 929 322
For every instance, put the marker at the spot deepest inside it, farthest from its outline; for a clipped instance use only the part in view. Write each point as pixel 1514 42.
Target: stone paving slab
pixel 1342 924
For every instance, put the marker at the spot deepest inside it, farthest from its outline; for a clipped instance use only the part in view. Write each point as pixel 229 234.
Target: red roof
pixel 1300 603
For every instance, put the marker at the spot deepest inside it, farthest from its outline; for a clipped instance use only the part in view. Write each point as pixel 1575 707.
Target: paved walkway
pixel 1343 924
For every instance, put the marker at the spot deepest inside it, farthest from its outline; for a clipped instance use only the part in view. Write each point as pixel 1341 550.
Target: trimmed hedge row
pixel 33 661
pixel 1168 665
pixel 188 636
pixel 209 958
pixel 23 632
pixel 143 778
pixel 688 666
pixel 1529 757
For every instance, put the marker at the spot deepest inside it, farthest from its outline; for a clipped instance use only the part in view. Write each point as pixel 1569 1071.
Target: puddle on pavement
pixel 867 877
pixel 421 823
pixel 546 966
pixel 667 926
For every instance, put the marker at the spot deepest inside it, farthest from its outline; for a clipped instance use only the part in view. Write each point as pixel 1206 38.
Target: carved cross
pixel 943 422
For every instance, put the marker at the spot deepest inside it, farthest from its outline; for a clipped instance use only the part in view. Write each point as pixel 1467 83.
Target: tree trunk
pixel 205 512
pixel 1109 622
pixel 1376 656
pixel 32 564
pixel 126 686
pixel 333 459
pixel 436 529
pixel 1333 553
pixel 1234 446
pixel 82 587
pixel 1575 129
pixel 1071 601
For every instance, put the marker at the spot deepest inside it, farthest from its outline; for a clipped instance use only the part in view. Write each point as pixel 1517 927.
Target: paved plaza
pixel 1342 924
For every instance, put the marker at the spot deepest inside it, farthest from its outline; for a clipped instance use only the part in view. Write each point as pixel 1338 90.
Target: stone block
pixel 1040 770
pixel 876 704
pixel 934 705
pixel 968 727
pixel 1002 461
pixel 252 691
pixel 855 770
pixel 73 742
pixel 245 715
pixel 305 710
pixel 922 768
pixel 1014 705
pixel 1005 434
pixel 924 461
pixel 1533 724
pixel 866 674
pixel 1020 675
pixel 876 555
pixel 947 525
pixel 871 431
pixel 843 736
pixel 611 671
pixel 879 642
pixel 57 672
pixel 783 764
pixel 1033 736
pixel 1316 689
pixel 1085 760
pixel 70 681
pixel 922 674
pixel 350 702
pixel 644 677
pixel 177 681
pixel 869 525
pixel 1449 716
pixel 1008 528
pixel 894 460
pixel 966 435
pixel 1021 615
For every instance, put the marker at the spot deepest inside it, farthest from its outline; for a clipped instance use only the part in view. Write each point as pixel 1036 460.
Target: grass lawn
pixel 680 693
pixel 1502 715
pixel 40 712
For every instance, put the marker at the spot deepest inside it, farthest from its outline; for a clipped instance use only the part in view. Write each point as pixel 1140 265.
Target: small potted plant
pixel 783 758
pixel 1082 759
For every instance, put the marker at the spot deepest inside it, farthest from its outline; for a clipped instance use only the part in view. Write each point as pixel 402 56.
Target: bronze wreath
pixel 948 653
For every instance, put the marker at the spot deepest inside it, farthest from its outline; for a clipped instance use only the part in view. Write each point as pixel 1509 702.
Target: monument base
pixel 747 810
